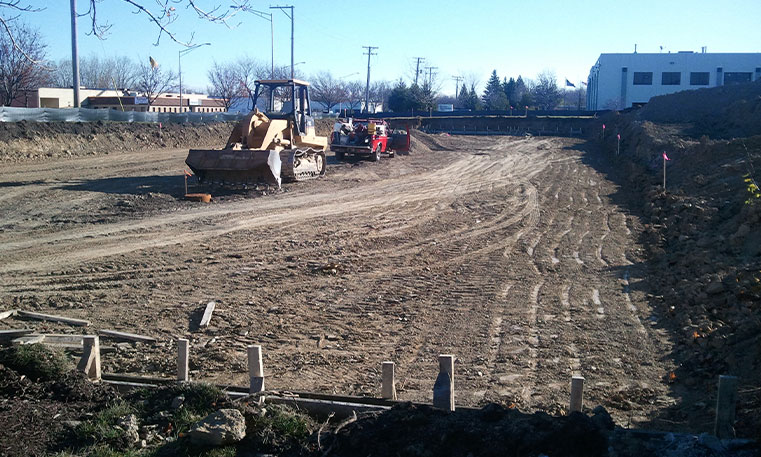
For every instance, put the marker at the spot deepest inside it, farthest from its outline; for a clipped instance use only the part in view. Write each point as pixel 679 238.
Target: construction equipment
pixel 269 147
pixel 368 138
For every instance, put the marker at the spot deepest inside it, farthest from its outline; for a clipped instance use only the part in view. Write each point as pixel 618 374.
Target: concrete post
pixel 443 388
pixel 388 389
pixel 183 356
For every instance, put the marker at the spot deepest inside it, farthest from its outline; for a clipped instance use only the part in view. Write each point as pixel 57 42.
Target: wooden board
pixel 14 333
pixel 52 318
pixel 124 336
pixel 28 339
pixel 7 314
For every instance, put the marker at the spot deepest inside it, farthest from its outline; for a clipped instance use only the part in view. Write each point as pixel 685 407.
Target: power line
pixel 369 54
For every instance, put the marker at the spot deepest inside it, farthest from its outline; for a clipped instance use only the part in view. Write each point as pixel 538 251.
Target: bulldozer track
pixel 493 256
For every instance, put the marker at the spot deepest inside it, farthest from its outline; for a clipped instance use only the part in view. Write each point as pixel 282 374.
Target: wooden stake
pixel 388 387
pixel 207 314
pixel 90 361
pixel 6 314
pixel 577 394
pixel 664 172
pixel 725 407
pixel 183 356
pixel 255 369
pixel 443 388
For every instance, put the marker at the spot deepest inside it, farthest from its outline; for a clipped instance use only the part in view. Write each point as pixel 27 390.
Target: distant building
pixel 117 99
pixel 619 81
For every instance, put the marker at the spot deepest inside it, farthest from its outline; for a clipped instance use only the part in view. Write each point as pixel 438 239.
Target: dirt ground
pixel 517 255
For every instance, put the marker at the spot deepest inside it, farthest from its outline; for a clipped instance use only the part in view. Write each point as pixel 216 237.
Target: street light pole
pixel 74 53
pixel 367 87
pixel 181 53
pixel 269 17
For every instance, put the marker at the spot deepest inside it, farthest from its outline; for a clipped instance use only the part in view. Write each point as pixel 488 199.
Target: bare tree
pixel 162 13
pixel 355 94
pixel 61 74
pixel 379 92
pixel 327 90
pixel 154 81
pixel 226 83
pixel 20 50
pixel 546 92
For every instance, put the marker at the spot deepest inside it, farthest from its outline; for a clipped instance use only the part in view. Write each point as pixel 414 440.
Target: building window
pixel 699 78
pixel 643 78
pixel 731 77
pixel 671 78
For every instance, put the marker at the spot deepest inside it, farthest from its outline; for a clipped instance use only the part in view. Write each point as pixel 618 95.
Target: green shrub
pixel 36 361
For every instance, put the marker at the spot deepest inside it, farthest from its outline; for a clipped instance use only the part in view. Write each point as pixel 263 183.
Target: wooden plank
pixel 124 336
pixel 60 338
pixel 28 339
pixel 90 361
pixel 52 318
pixel 207 314
pixel 14 333
pixel 7 314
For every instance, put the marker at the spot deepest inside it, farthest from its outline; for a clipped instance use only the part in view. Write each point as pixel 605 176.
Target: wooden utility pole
pixel 369 54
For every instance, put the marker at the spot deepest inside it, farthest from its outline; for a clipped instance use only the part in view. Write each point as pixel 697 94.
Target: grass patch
pixel 279 427
pixel 36 361
pixel 102 429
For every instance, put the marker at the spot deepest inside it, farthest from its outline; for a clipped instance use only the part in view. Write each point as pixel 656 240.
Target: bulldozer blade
pixel 236 166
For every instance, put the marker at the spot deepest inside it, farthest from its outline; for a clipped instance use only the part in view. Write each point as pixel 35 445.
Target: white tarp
pixel 8 114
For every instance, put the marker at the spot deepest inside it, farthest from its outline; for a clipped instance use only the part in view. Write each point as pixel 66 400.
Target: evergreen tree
pixel 519 92
pixel 462 97
pixel 509 87
pixel 494 95
pixel 473 102
pixel 400 99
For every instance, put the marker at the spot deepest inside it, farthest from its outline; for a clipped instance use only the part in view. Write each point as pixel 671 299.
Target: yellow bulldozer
pixel 270 146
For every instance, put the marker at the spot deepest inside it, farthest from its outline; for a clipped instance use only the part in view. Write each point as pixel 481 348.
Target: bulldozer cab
pixel 285 99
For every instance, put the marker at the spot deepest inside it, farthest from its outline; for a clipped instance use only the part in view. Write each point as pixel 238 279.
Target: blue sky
pixel 468 38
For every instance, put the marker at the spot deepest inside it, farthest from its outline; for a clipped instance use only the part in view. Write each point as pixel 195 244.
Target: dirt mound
pixel 702 235
pixel 718 112
pixel 491 431
pixel 35 141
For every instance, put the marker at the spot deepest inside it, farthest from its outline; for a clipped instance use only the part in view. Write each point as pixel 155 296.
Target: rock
pixel 177 402
pixel 130 426
pixel 226 426
pixel 714 288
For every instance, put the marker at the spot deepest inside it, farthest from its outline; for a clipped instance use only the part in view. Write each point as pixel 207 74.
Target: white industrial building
pixel 619 81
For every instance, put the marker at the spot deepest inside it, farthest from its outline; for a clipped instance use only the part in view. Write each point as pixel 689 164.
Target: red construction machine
pixel 368 138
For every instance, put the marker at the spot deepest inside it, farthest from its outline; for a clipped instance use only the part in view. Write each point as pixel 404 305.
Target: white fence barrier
pixel 8 114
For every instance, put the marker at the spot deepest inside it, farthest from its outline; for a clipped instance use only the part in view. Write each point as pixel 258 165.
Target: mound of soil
pixel 34 141
pixel 703 237
pixel 491 431
pixel 718 112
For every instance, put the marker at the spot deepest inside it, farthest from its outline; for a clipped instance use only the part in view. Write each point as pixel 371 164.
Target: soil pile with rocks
pixel 703 237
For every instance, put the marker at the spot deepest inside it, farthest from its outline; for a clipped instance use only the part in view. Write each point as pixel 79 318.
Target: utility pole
pixel 367 87
pixel 74 53
pixel 283 8
pixel 457 80
pixel 430 75
pixel 417 67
